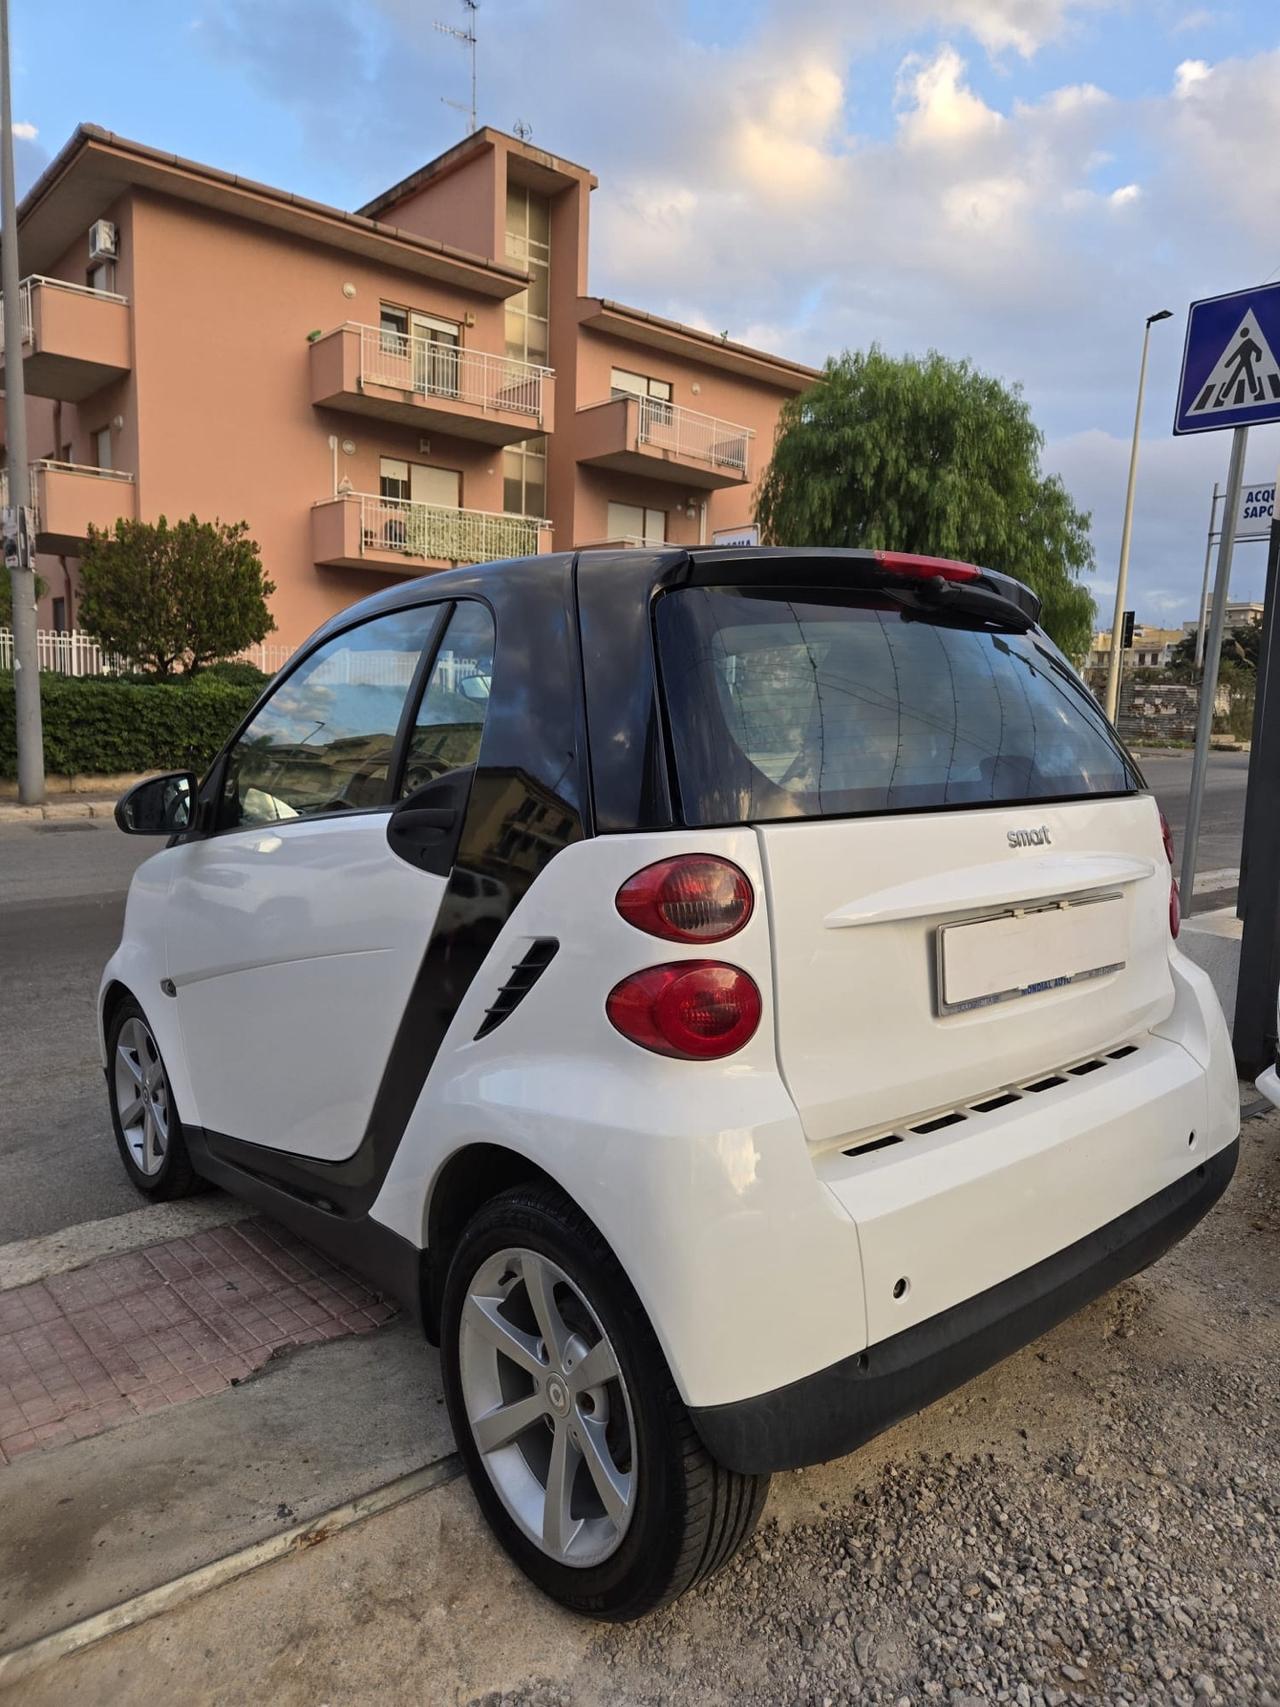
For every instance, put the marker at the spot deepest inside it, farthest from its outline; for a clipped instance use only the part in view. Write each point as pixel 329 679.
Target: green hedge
pixel 94 726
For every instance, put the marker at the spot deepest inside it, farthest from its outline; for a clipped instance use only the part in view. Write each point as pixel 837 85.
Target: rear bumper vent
pixel 524 975
pixel 988 1105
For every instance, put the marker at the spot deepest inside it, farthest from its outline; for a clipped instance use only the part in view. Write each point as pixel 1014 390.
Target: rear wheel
pixel 147 1128
pixel 579 1449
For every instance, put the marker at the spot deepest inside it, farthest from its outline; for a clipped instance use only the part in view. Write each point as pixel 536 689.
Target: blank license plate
pixel 1020 954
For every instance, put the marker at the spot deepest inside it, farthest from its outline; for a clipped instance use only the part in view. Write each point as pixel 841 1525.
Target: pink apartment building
pixel 378 394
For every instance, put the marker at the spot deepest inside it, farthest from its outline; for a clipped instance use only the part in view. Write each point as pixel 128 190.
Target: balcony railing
pixel 410 363
pixel 40 280
pixel 687 433
pixel 435 532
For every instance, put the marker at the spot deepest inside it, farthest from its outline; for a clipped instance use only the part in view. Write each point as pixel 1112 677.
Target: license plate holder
pixel 1023 951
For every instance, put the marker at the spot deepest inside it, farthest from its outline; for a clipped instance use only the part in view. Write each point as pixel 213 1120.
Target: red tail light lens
pixel 691 898
pixel 925 568
pixel 696 1010
pixel 1167 834
pixel 1175 900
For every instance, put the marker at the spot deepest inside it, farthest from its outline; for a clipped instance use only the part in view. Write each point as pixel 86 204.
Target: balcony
pixel 356 530
pixel 439 387
pixel 74 340
pixel 68 499
pixel 646 435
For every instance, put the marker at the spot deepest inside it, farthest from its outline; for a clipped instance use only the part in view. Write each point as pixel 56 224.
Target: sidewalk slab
pixel 134 1333
pixel 123 1512
pixel 1212 940
pixel 24 1261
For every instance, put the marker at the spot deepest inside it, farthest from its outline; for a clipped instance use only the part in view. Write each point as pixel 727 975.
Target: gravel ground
pixel 1095 1520
pixel 1115 1538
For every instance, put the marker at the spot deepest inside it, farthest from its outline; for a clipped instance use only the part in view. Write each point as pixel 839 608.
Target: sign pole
pixel 1112 701
pixel 1209 677
pixel 26 671
pixel 1204 584
pixel 1254 1032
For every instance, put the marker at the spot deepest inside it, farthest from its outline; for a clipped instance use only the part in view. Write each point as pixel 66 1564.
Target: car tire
pixel 144 1117
pixel 624 1439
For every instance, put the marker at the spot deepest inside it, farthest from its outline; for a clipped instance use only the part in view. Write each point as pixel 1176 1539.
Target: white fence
pixel 77 654
pixel 686 432
pixel 435 531
pixel 411 363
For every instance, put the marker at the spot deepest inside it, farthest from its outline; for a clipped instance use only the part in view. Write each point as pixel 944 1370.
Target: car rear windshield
pixel 810 704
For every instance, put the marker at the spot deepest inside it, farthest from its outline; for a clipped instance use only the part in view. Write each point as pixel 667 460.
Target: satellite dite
pixel 1230 371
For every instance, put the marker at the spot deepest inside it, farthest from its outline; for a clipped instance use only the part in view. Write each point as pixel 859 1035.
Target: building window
pixel 524 478
pixel 623 383
pixel 101 443
pixel 528 244
pixel 59 616
pixel 394 326
pixel 635 522
pixel 419 483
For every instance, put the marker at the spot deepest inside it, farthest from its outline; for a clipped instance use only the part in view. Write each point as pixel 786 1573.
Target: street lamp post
pixel 1122 578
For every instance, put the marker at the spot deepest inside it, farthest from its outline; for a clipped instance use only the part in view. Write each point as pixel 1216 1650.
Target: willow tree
pixel 929 455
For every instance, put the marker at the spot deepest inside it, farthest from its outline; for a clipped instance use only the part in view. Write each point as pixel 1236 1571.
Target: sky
pixel 1018 182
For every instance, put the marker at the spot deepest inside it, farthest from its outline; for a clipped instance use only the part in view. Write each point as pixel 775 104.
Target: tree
pixel 38 591
pixel 164 596
pixel 1239 652
pixel 929 455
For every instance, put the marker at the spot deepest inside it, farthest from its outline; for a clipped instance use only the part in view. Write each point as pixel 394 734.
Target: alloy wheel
pixel 548 1407
pixel 142 1096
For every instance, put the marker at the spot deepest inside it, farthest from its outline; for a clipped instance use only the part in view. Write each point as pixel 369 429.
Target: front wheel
pixel 147 1128
pixel 579 1449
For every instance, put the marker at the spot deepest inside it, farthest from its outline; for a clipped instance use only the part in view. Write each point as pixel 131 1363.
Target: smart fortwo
pixel 730 996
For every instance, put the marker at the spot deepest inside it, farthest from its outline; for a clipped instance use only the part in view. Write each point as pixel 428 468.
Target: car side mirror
pixel 158 806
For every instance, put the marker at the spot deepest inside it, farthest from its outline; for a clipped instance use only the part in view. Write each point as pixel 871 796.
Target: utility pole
pixel 1204 585
pixel 1122 577
pixel 26 672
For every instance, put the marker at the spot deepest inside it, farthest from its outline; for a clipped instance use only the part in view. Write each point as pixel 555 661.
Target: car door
pixel 296 929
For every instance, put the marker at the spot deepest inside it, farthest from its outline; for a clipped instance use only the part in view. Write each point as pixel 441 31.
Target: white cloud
pixel 1188 74
pixel 939 109
pixel 24 130
pixel 1126 194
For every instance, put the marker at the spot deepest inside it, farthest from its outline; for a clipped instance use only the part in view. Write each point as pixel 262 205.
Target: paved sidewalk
pixel 136 1333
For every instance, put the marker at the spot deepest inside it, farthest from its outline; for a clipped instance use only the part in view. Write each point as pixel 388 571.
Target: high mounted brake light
pixel 918 568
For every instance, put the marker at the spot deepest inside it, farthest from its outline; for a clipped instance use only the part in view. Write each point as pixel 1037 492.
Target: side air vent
pixel 524 975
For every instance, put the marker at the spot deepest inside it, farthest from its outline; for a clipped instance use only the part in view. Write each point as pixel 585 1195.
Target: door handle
pixel 418 818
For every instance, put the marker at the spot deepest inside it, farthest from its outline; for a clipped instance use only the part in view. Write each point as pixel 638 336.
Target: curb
pixel 56 811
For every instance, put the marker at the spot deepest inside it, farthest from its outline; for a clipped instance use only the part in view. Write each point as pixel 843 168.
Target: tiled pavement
pixel 83 1351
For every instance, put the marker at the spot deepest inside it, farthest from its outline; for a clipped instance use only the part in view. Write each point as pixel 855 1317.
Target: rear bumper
pixel 1269 1085
pixel 836 1409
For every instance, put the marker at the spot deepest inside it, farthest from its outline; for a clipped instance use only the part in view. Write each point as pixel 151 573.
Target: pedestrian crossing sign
pixel 1230 365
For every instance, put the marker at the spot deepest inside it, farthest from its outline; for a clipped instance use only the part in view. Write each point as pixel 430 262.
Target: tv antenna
pixel 468 39
pixel 523 131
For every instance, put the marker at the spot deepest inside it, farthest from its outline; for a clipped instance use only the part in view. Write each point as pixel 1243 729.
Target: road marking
pixel 1227 878
pixel 20 1662
pixel 25 1261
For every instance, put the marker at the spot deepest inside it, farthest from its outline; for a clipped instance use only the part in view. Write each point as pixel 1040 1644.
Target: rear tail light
pixel 691 898
pixel 1175 900
pixel 925 568
pixel 695 1010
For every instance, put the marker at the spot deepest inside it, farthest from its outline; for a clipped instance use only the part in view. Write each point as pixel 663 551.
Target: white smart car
pixel 731 996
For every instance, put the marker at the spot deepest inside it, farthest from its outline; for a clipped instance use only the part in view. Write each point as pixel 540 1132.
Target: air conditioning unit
pixel 102 241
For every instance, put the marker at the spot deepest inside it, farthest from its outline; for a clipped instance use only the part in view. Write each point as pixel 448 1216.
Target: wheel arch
pixel 470 1178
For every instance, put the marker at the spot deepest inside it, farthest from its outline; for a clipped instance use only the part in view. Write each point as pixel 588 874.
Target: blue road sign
pixel 1230 375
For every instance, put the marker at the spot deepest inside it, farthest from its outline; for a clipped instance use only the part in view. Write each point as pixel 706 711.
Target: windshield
pixel 808 704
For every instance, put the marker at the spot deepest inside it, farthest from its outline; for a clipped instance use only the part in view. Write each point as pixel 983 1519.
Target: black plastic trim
pixel 831 1412
pixel 382 1257
pixel 521 979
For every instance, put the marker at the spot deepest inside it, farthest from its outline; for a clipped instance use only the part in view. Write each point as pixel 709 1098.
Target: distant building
pixel 1152 648
pixel 379 394
pixel 1240 613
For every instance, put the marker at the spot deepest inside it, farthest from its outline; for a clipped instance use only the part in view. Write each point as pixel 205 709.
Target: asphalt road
pixel 62 892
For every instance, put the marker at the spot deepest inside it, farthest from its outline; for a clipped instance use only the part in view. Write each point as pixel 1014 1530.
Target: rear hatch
pixel 967 885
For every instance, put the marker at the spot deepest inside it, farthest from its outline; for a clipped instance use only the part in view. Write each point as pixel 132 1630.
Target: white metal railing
pixel 90 470
pixel 686 432
pixel 53 284
pixel 439 532
pixel 410 363
pixel 75 653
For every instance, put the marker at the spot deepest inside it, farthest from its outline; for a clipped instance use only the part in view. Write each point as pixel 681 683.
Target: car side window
pixel 446 732
pixel 324 741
